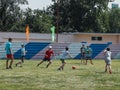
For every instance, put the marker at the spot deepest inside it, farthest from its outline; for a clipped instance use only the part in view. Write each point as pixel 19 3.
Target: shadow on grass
pixel 100 72
pixel 107 72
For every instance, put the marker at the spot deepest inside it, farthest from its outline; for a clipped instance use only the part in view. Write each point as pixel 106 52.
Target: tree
pixel 114 20
pixel 10 13
pixel 14 19
pixel 80 15
pixel 38 20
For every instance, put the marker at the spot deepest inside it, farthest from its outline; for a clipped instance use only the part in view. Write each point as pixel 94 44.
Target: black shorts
pixel 46 59
pixel 22 56
pixel 88 57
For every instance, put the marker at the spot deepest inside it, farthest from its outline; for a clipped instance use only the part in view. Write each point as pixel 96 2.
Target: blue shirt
pixel 8 46
pixel 23 51
pixel 88 52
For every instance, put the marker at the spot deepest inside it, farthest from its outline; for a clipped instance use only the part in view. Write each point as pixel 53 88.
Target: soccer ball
pixel 73 67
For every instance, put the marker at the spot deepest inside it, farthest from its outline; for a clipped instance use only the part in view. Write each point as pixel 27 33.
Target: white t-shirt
pixel 107 55
pixel 65 54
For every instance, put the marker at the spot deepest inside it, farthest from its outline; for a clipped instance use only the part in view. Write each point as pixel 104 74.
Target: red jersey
pixel 48 53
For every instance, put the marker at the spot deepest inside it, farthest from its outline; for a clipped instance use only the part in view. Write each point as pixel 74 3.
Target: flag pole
pixel 57 26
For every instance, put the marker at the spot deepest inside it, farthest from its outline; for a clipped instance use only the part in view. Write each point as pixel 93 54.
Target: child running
pixel 63 58
pixel 23 53
pixel 107 54
pixel 48 55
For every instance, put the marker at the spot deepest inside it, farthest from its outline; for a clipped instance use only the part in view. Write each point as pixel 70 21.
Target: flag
pixel 27 33
pixel 53 33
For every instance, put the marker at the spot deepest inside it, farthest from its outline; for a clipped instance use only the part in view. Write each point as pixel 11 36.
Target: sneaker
pixel 59 68
pixel 16 65
pixel 10 67
pixel 110 72
pixel 7 68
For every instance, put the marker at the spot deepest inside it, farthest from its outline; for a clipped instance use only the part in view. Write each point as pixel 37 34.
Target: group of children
pixel 9 54
pixel 48 55
pixel 86 53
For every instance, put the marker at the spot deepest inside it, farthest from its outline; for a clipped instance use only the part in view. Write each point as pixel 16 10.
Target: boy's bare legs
pixel 106 68
pixel 62 66
pixel 7 63
pixel 20 62
pixel 40 63
pixel 83 58
pixel 86 61
pixel 10 66
pixel 91 61
pixel 48 64
pixel 110 71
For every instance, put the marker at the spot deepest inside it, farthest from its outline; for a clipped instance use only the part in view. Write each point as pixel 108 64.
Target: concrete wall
pixel 86 37
pixel 62 38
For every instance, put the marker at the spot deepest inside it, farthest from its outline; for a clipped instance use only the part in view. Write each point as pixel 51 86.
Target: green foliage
pixel 84 77
pixel 81 15
pixel 14 19
pixel 115 20
pixel 10 13
pixel 68 15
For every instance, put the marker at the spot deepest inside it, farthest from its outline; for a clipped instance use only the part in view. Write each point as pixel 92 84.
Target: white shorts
pixel 108 62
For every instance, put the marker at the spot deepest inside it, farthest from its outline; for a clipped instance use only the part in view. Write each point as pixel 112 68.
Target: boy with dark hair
pixel 107 54
pixel 65 53
pixel 9 54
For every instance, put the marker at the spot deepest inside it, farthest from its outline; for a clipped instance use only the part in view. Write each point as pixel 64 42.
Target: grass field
pixel 84 77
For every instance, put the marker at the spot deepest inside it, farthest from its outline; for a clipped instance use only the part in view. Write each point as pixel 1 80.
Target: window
pixel 96 38
pixel 99 38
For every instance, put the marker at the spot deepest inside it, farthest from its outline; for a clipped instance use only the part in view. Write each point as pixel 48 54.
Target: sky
pixel 115 2
pixel 40 4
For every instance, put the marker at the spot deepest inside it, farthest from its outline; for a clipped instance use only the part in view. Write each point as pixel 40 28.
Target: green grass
pixel 84 77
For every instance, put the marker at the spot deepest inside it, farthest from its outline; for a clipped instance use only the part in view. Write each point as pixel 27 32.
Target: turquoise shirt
pixel 8 46
pixel 23 51
pixel 88 52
